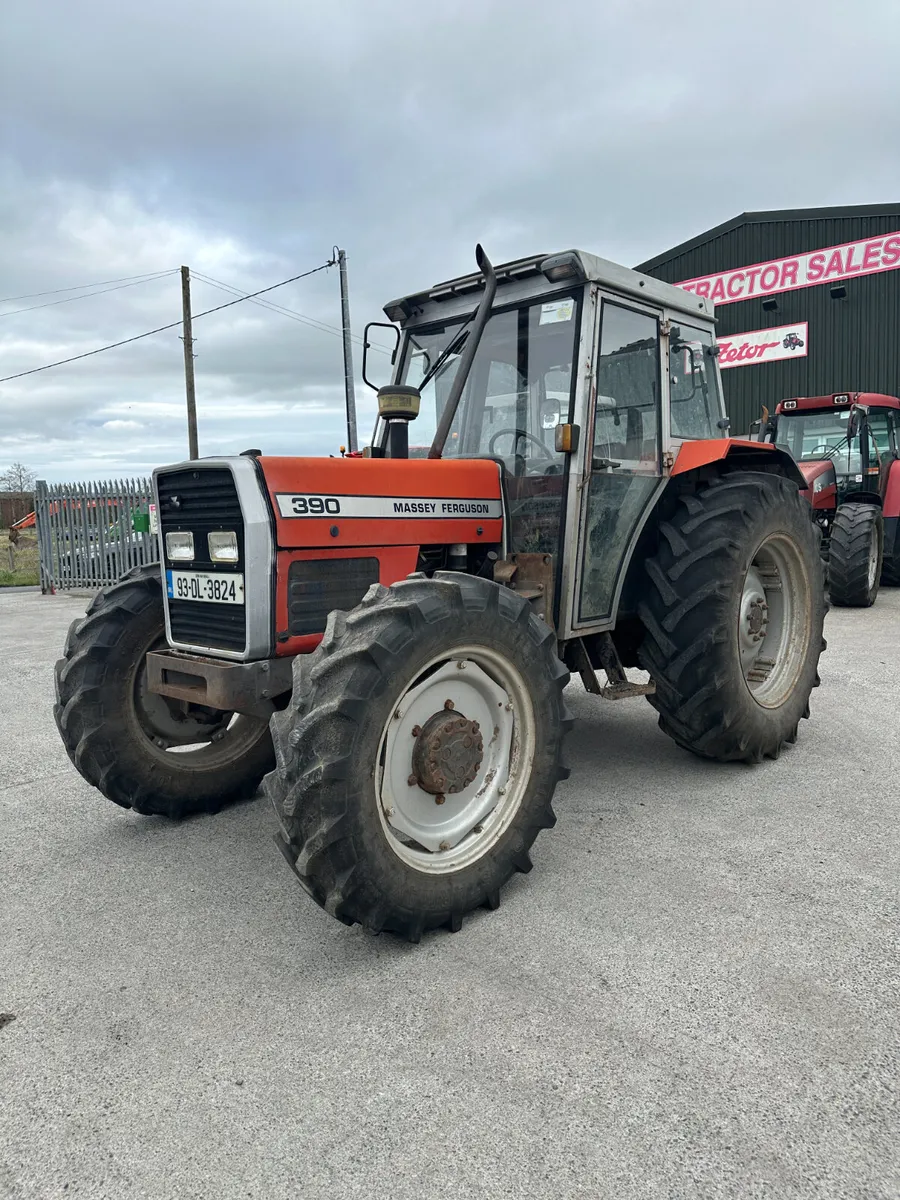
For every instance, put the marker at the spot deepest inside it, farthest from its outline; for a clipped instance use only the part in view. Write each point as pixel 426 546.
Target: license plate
pixel 205 586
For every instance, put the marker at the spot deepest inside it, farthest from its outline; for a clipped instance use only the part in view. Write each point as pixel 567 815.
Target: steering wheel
pixel 545 453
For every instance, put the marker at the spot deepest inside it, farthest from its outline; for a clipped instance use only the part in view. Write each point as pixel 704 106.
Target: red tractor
pixel 848 445
pixel 387 638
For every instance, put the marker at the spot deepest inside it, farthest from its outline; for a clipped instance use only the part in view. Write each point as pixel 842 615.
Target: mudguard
pixel 740 453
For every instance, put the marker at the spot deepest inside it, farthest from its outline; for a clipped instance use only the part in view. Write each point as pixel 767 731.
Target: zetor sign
pixel 764 345
pixel 803 270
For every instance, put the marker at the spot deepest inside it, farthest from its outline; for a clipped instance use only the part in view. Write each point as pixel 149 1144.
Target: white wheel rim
pixel 774 621
pixel 442 837
pixel 873 557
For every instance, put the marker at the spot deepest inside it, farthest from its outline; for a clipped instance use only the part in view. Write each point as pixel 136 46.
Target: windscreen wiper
pixel 452 346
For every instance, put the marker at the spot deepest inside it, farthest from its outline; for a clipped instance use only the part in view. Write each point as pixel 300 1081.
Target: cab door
pixel 623 455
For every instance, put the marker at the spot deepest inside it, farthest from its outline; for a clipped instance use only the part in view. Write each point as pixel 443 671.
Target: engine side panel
pixel 300 597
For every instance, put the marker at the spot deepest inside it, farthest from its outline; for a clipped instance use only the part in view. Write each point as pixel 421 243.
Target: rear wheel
pixel 141 750
pixel 419 754
pixel 854 561
pixel 734 616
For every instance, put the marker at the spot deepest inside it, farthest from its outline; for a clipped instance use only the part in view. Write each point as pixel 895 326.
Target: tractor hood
pixel 337 502
pixel 821 483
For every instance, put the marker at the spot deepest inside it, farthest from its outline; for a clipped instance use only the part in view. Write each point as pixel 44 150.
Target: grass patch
pixel 25 572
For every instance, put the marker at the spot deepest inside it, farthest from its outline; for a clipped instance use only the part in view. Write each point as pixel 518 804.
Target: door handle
pixel 602 464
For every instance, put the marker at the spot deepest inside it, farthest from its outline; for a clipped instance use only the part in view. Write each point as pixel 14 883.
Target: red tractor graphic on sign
pixel 792 342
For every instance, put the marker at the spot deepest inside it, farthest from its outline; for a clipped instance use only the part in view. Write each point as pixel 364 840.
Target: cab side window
pixel 626 421
pixel 880 425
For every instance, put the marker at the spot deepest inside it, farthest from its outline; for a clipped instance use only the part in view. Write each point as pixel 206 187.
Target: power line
pixel 76 287
pixel 162 328
pixel 87 295
pixel 312 322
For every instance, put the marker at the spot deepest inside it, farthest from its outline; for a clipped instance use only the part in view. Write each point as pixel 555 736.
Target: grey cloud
pixel 252 138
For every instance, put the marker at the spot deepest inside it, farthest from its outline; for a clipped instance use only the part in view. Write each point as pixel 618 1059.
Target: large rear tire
pixel 419 754
pixel 158 757
pixel 733 617
pixel 854 560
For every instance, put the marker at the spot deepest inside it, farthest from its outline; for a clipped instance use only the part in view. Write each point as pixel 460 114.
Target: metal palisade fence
pixel 91 534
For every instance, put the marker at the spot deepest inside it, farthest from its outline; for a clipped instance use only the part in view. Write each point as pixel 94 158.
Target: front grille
pixel 198 623
pixel 317 587
pixel 203 500
pixel 209 496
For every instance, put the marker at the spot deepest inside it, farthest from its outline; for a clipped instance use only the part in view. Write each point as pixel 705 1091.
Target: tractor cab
pixel 583 381
pixel 844 431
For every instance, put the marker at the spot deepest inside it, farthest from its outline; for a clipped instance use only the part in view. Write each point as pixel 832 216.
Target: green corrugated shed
pixel 854 342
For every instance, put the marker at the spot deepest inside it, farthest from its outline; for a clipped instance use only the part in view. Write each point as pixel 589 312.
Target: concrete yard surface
pixel 696 992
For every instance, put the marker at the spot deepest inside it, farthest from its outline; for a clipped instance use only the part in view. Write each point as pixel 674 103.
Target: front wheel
pixel 158 756
pixel 419 754
pixel 854 560
pixel 733 617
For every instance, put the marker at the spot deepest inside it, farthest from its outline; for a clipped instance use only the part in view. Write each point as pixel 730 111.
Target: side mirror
pixel 852 425
pixel 366 344
pixel 680 347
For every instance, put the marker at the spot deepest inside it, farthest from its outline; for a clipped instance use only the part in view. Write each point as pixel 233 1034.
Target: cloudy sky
pixel 247 139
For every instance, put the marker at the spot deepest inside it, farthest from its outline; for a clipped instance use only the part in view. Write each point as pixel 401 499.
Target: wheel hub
pixel 448 752
pixel 756 617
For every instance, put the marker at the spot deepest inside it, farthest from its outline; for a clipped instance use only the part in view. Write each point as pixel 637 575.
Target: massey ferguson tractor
pixel 385 639
pixel 847 445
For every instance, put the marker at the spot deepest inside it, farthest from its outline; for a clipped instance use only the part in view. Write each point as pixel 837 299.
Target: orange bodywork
pixel 700 454
pixel 442 482
pixel 381 508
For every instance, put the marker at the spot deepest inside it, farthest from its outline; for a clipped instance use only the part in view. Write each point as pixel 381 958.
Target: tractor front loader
pixel 386 638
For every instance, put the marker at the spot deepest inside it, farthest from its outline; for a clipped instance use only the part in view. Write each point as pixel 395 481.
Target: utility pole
pixel 349 393
pixel 188 339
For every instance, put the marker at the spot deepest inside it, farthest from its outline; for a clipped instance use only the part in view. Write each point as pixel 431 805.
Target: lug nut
pixel 475 726
pixel 439 799
pixel 461 666
pixel 448 704
pixel 444 846
pixel 412 781
pixel 416 730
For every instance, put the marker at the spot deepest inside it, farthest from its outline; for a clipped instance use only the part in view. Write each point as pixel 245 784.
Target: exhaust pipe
pixel 482 316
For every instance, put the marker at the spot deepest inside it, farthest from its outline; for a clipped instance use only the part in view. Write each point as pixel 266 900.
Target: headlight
pixel 180 547
pixel 223 547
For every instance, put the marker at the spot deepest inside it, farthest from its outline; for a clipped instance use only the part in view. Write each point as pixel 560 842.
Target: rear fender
pixel 891 503
pixel 737 454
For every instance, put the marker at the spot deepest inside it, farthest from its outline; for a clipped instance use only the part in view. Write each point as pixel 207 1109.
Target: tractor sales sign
pixel 803 270
pixel 763 345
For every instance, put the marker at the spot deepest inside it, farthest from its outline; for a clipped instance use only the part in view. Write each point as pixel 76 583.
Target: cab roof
pixel 839 400
pixel 544 273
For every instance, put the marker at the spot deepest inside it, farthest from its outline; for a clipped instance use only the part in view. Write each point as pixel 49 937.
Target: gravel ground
pixel 694 994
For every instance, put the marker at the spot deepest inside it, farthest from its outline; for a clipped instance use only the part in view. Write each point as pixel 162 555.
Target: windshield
pixel 810 436
pixel 517 392
pixel 695 404
pixel 519 389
